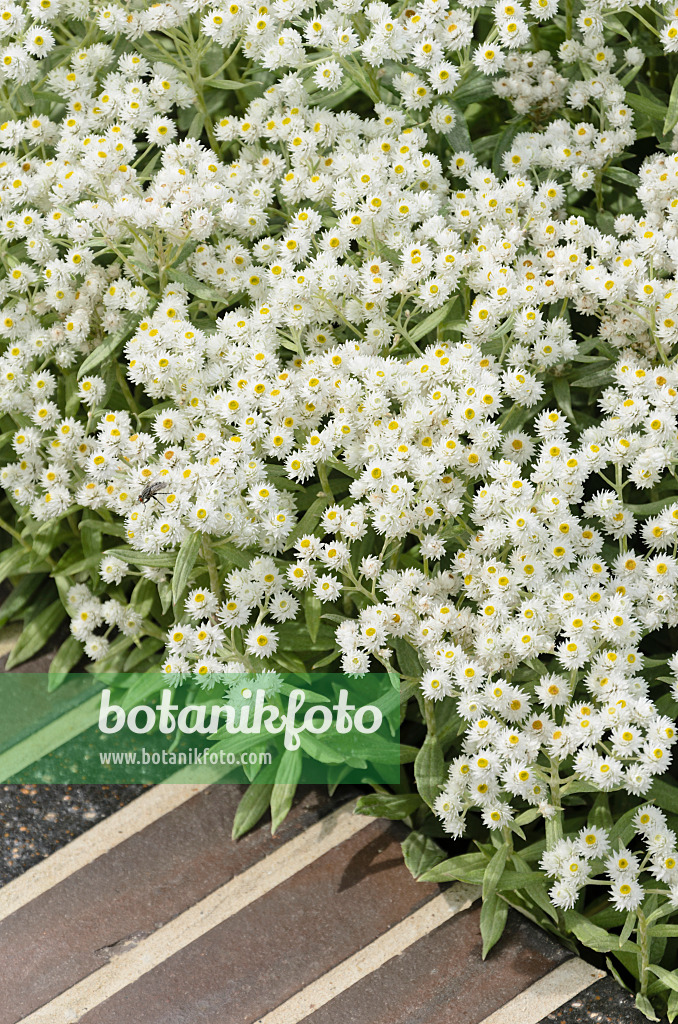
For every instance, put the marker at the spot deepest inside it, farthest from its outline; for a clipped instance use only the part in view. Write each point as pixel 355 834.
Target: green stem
pixel 554 825
pixel 13 533
pixel 124 387
pixel 644 954
pixel 212 567
pixel 430 717
pixel 325 482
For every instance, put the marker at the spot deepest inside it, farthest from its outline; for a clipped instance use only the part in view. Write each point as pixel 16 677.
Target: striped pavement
pixel 154 916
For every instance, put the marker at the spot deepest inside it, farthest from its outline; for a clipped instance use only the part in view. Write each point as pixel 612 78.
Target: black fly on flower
pixel 151 491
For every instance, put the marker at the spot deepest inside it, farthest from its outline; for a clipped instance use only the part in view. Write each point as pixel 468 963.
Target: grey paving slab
pixel 129 892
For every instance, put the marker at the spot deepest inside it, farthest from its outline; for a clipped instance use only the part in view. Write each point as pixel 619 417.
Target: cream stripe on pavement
pixel 547 994
pixel 375 955
pixel 226 901
pixel 98 840
pixel 49 738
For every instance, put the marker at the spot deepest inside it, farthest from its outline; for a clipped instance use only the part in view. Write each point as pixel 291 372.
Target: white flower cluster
pixel 325 293
pixel 574 863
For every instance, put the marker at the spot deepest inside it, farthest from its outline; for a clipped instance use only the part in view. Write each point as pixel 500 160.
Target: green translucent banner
pixel 145 728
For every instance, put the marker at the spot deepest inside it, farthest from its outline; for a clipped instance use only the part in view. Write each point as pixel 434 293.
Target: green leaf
pixel 672 1006
pixel 600 814
pixel 327 660
pixel 430 322
pixel 622 830
pixel 322 98
pixel 468 867
pixel 162 560
pixel 645 1006
pixel 101 526
pixel 671 119
pixel 652 508
pixel 561 393
pixel 528 816
pixel 20 596
pixel 623 176
pixel 186 558
pixel 514 881
pixel 651 108
pixel 12 561
pixel 593 380
pixel 143 596
pixel 665 794
pixel 494 871
pixel 36 634
pixel 429 769
pixel 421 853
pixel 63 662
pixel 146 649
pixel 225 83
pixel 253 805
pixel 71 389
pixel 308 521
pixel 617 26
pixel 670 978
pixel 394 806
pixel 104 352
pixel 628 928
pixel 196 126
pixel 474 87
pixel 590 934
pixel 195 287
pixel 232 554
pixel 313 610
pixel 286 781
pixel 503 144
pixel 493 915
pixel 408 659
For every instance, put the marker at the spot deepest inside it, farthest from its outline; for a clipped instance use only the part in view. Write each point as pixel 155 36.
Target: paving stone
pixel 606 1002
pixel 282 942
pixel 442 978
pixel 75 927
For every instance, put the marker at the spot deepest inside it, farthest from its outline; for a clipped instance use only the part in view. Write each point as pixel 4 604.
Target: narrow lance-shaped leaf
pixel 394 806
pixel 286 781
pixel 186 558
pixel 253 805
pixel 493 915
pixel 671 119
pixel 63 662
pixel 313 609
pixel 36 634
pixel 429 770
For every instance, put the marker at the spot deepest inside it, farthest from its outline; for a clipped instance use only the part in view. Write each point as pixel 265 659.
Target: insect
pixel 150 491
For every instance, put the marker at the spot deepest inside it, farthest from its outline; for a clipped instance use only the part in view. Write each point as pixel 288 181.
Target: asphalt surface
pixel 37 820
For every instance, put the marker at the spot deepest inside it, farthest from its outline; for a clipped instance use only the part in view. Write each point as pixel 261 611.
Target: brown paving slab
pixel 288 938
pixel 606 1002
pixel 142 883
pixel 442 978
